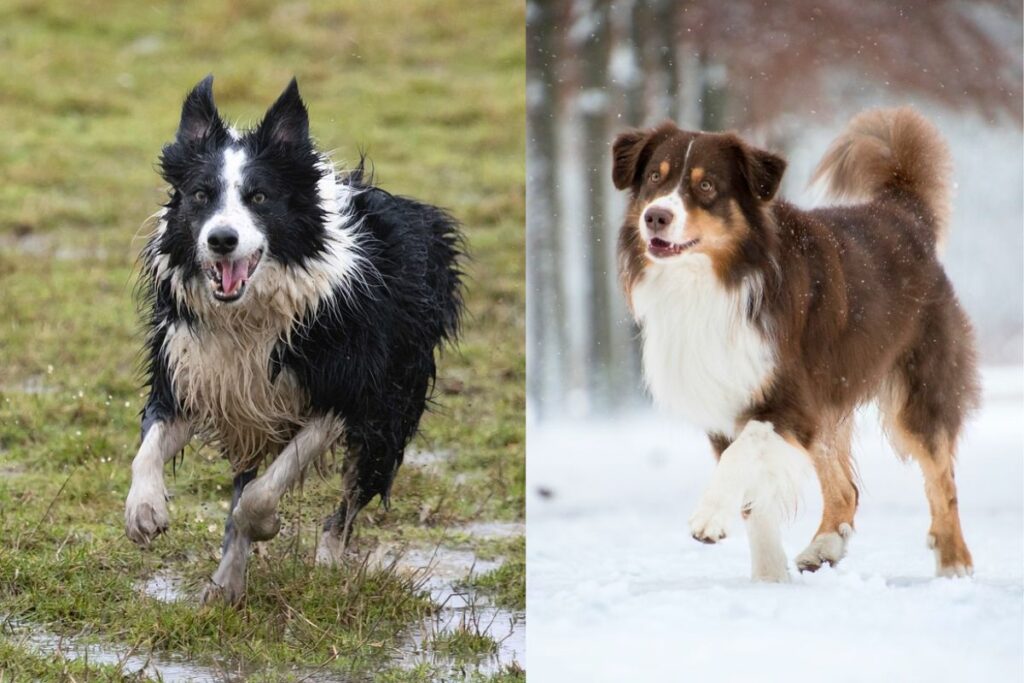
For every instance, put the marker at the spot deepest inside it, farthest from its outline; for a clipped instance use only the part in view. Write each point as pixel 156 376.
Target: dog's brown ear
pixel 762 171
pixel 626 152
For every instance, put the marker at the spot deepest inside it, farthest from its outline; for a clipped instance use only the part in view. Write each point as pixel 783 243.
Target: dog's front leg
pixel 145 509
pixel 758 474
pixel 254 518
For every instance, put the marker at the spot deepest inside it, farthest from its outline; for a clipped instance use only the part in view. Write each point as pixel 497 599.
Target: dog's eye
pixel 200 196
pixel 655 177
pixel 706 186
pixel 258 198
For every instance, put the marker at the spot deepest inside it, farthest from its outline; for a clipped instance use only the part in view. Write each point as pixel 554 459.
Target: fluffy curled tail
pixel 891 151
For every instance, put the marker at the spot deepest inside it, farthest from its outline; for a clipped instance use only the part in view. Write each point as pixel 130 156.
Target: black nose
pixel 657 218
pixel 222 240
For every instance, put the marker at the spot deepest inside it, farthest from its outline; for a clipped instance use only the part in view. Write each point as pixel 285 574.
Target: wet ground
pixel 444 571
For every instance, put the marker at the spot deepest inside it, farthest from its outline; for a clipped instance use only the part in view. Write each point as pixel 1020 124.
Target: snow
pixel 617 590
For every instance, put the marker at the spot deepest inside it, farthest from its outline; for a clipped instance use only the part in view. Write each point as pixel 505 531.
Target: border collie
pixel 767 325
pixel 291 309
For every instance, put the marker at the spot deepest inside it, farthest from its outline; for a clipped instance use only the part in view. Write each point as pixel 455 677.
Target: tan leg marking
pixel 945 537
pixel 833 464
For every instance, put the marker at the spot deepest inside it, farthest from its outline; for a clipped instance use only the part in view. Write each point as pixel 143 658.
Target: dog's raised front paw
pixel 710 521
pixel 145 515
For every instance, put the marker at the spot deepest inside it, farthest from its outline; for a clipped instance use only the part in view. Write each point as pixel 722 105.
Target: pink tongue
pixel 233 274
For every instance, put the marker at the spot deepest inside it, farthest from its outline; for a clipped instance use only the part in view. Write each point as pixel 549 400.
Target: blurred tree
pixel 546 300
pixel 590 38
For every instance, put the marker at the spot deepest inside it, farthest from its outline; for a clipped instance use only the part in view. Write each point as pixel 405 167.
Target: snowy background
pixel 618 591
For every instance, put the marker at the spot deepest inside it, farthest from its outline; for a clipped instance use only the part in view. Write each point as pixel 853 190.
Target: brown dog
pixel 767 325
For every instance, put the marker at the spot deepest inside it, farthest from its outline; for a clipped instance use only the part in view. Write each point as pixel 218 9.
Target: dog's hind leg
pixel 924 404
pixel 254 517
pixel 145 509
pixel 370 466
pixel 237 485
pixel 833 463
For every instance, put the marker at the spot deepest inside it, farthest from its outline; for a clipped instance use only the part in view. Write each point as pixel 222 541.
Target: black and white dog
pixel 291 309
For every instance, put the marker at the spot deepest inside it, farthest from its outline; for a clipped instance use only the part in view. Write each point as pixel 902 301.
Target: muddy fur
pixel 356 291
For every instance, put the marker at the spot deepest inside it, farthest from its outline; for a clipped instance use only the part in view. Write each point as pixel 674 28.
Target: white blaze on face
pixel 232 212
pixel 676 230
pixel 673 202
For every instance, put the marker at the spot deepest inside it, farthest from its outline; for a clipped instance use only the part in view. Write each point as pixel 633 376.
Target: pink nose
pixel 657 219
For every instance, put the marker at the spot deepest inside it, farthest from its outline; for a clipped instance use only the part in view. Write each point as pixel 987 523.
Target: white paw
pixel 828 548
pixel 770 569
pixel 228 582
pixel 950 570
pixel 330 551
pixel 145 512
pixel 710 521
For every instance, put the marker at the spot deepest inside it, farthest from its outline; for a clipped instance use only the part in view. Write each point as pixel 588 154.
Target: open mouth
pixel 659 248
pixel 229 277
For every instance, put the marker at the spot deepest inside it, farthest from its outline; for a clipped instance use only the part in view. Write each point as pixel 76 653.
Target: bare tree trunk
pixel 591 38
pixel 633 89
pixel 713 99
pixel 545 300
pixel 664 12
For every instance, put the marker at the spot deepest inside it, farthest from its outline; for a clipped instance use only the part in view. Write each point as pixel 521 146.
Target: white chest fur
pixel 222 379
pixel 703 359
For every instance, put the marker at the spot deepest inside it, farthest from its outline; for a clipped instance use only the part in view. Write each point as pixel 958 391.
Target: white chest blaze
pixel 222 378
pixel 232 212
pixel 220 367
pixel 703 359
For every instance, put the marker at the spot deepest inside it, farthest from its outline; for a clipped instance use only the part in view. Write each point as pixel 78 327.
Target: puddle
pixel 430 461
pixel 460 610
pixel 74 648
pixel 164 586
pixel 494 529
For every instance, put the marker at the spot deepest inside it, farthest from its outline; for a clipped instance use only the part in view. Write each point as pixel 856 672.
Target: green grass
pixel 433 92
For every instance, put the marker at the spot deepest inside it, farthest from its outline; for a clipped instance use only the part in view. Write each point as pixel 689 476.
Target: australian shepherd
pixel 291 309
pixel 766 325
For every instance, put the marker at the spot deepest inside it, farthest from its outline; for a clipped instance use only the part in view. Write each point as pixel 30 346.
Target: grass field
pixel 433 92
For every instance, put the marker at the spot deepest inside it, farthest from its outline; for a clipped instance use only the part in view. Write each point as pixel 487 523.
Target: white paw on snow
pixel 948 571
pixel 710 521
pixel 828 548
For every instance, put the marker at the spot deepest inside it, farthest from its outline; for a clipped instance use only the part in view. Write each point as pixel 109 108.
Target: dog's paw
pixel 828 548
pixel 230 594
pixel 952 559
pixel 145 515
pixel 710 521
pixel 771 569
pixel 228 583
pixel 332 550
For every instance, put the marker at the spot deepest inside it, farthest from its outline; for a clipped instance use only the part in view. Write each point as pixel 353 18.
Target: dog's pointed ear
pixel 199 116
pixel 762 170
pixel 626 152
pixel 287 121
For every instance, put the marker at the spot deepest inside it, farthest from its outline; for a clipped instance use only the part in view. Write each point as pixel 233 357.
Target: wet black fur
pixel 366 354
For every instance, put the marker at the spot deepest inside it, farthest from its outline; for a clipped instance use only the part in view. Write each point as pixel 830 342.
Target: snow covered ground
pixel 618 591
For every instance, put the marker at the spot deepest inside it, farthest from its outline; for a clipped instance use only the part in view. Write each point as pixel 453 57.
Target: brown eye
pixel 655 177
pixel 706 186
pixel 258 198
pixel 200 197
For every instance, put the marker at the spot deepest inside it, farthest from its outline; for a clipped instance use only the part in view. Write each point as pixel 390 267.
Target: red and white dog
pixel 767 325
